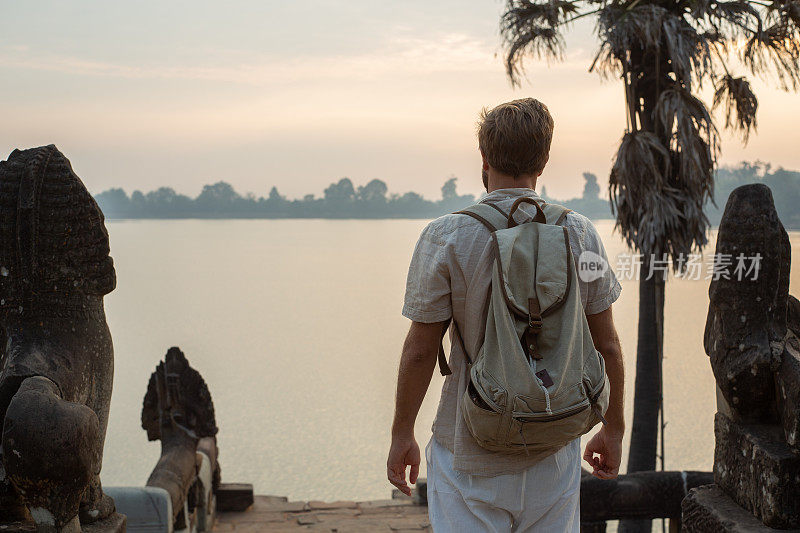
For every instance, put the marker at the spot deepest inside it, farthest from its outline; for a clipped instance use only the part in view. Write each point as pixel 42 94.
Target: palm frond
pixel 698 9
pixel 775 46
pixel 689 50
pixel 694 140
pixel 551 12
pixel 652 27
pixel 663 171
pixel 787 10
pixel 621 29
pixel 529 27
pixel 640 171
pixel 740 102
pixel 538 41
pixel 655 215
pixel 735 18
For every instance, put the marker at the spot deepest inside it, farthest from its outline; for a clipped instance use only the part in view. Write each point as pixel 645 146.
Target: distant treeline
pixel 340 200
pixel 344 200
pixel 785 185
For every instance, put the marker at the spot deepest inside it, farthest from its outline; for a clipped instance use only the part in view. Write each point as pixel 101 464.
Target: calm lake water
pixel 296 327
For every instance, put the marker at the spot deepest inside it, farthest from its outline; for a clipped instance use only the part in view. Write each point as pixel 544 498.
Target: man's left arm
pixel 416 368
pixel 607 443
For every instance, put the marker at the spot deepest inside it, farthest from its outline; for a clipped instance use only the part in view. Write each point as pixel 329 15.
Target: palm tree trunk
pixel 647 389
pixel 647 398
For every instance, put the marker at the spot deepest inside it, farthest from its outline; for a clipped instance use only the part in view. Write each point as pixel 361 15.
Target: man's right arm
pixel 427 305
pixel 416 368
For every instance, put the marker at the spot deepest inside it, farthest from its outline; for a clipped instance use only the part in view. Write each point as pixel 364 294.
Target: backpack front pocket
pixel 544 430
pixel 487 425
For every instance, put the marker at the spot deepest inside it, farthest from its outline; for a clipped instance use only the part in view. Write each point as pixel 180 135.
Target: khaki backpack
pixel 537 381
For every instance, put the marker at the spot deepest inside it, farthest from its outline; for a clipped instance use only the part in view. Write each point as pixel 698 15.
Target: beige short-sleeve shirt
pixel 449 277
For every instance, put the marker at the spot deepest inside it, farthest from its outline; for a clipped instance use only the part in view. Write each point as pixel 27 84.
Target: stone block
pixel 307 519
pixel 793 315
pixel 409 524
pixel 758 470
pixel 269 500
pixel 787 381
pixel 420 493
pixel 321 506
pixel 707 509
pixel 234 497
pixel 397 494
pixel 279 504
pixel 116 523
pixel 372 504
pixel 148 509
pixel 254 517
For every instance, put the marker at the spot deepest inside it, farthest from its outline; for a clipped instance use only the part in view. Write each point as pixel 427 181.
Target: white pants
pixel 542 499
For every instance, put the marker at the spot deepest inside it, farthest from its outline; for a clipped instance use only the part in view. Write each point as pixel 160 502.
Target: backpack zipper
pixel 557 416
pixel 590 401
pixel 595 395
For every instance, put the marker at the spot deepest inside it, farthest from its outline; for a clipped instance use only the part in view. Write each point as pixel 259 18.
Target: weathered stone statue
pixel 752 340
pixel 746 326
pixel 57 357
pixel 178 411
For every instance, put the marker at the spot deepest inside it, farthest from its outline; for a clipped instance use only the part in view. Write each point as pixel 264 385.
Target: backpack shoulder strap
pixel 491 216
pixel 554 213
pixel 444 368
pixel 495 218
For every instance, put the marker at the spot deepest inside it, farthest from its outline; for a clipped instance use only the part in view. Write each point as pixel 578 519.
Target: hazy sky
pixel 298 94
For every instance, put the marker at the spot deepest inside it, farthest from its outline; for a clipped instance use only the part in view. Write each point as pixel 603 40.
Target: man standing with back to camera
pixel 470 488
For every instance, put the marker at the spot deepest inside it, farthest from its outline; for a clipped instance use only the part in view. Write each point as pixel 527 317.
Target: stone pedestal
pixel 755 466
pixel 234 497
pixel 116 523
pixel 787 381
pixel 708 509
pixel 145 508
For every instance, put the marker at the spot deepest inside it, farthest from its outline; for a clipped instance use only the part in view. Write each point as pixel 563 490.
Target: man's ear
pixel 485 162
pixel 547 159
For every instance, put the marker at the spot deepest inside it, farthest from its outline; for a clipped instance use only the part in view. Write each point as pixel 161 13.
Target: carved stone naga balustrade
pixel 56 359
pixel 752 340
pixel 178 411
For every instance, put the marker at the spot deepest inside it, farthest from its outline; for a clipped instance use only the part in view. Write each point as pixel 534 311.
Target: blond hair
pixel 515 137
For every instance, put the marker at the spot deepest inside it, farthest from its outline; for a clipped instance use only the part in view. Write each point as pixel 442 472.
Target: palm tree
pixel 663 173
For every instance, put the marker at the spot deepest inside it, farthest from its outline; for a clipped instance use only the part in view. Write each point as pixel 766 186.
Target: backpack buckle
pixel 535 323
pixel 534 315
pixel 530 346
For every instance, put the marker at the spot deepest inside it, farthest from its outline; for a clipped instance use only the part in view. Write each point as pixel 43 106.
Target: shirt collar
pixel 499 194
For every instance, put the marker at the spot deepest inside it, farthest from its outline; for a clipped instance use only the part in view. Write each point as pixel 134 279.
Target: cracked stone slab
pixel 269 515
pixel 787 381
pixel 386 503
pixel 308 519
pixel 758 470
pixel 708 508
pixel 319 506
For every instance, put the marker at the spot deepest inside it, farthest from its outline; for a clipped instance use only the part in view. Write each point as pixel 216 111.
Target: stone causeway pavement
pixel 272 514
